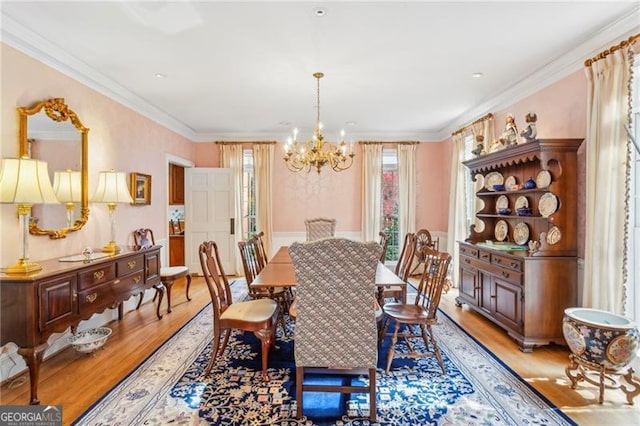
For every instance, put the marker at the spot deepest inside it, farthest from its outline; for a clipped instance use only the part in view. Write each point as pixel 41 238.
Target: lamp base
pixel 111 248
pixel 22 267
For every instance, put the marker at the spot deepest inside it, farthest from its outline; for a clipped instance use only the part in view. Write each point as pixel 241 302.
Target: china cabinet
pixel 518 267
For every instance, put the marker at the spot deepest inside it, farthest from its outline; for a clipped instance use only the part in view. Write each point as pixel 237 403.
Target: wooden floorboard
pixel 76 381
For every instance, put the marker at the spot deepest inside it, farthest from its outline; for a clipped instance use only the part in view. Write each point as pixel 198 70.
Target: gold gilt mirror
pixel 52 132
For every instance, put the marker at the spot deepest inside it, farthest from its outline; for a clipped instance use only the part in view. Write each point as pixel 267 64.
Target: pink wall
pixel 118 138
pixel 122 139
pixel 562 113
pixel 300 195
pixel 433 170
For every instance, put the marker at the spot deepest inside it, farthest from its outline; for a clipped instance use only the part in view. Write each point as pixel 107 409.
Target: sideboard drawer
pixel 484 255
pixel 96 276
pixel 469 251
pixel 96 299
pixel 506 262
pixel 128 266
pixel 129 285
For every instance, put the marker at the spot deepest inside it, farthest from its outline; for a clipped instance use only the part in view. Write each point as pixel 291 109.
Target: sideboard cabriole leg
pixel 33 358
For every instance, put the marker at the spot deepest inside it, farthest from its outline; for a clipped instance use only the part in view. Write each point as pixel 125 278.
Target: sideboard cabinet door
pixel 58 302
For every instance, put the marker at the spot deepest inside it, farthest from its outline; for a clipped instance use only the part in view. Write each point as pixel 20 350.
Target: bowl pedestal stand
pixel 604 378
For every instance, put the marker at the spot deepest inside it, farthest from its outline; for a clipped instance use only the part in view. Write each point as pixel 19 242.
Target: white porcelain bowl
pixel 88 341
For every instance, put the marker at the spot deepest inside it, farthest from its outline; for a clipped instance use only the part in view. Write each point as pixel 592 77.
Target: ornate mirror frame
pixel 58 111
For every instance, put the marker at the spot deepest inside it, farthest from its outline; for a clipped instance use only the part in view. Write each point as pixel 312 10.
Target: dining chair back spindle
pixel 384 243
pixel 258 316
pixel 336 325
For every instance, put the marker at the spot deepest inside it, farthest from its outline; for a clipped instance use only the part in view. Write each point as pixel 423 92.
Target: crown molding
pixel 39 48
pixel 554 70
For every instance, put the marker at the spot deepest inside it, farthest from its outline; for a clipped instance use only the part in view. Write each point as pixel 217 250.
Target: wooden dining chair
pixel 258 316
pixel 403 267
pixel 263 259
pixel 168 274
pixel 319 228
pixel 249 253
pixel 336 326
pixel 422 312
pixel 384 243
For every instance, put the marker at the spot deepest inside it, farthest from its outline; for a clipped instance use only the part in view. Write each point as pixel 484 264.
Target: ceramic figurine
pixel 529 133
pixel 510 133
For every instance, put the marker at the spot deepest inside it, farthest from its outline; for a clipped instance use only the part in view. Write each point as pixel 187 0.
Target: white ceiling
pixel 243 70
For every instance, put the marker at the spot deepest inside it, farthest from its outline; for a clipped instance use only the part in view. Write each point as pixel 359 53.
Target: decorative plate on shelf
pixel 554 235
pixel 501 230
pixel 493 178
pixel 543 179
pixel 521 202
pixel 509 182
pixel 479 225
pixel 521 233
pixel 548 204
pixel 502 202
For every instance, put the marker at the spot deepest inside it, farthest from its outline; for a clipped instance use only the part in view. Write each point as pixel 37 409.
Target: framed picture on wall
pixel 140 188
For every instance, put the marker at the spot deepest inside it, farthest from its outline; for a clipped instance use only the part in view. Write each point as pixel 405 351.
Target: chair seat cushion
pixel 393 288
pixel 252 310
pixel 170 271
pixel 276 291
pixel 403 312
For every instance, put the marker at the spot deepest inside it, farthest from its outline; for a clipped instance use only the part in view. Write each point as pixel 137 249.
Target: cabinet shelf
pixel 519 191
pixel 510 216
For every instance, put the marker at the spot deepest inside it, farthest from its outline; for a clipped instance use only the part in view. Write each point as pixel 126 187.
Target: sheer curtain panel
pixel 407 188
pixel 263 171
pixel 457 230
pixel 232 159
pixel 607 192
pixel 371 190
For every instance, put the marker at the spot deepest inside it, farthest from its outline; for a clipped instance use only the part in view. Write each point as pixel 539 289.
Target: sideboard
pixel 35 306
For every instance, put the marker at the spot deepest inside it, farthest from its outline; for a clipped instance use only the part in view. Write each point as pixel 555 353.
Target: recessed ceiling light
pixel 319 11
pixel 160 75
pixel 350 123
pixel 285 123
pixel 477 75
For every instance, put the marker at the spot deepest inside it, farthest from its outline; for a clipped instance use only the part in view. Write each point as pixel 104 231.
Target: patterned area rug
pixel 169 387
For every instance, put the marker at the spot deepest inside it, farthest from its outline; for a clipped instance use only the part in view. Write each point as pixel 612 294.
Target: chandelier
pixel 302 156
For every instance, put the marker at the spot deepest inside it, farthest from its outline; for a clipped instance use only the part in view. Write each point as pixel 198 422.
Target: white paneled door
pixel 209 214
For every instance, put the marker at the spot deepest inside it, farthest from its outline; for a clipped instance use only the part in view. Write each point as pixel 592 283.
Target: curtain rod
pixel 462 129
pixel 389 142
pixel 624 43
pixel 244 142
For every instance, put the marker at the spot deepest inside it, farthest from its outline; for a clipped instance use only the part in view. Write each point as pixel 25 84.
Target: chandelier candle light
pixel 316 152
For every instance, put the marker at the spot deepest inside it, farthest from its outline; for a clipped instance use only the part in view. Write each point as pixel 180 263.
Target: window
pixel 390 194
pixel 633 297
pixel 248 194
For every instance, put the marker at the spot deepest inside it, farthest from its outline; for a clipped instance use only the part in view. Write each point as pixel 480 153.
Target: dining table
pixel 279 272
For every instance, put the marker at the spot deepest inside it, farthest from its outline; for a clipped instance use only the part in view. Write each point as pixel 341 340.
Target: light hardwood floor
pixel 76 381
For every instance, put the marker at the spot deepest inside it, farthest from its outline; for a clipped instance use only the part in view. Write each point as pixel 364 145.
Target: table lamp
pixel 112 189
pixel 68 189
pixel 25 182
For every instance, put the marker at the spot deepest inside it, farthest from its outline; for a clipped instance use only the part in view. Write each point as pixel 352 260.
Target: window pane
pixel 390 194
pixel 248 194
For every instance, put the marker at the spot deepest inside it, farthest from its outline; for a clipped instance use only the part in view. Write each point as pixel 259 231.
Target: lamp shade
pixel 112 188
pixel 25 181
pixel 67 186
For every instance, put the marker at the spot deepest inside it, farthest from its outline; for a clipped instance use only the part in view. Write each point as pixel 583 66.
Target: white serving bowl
pixel 88 341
